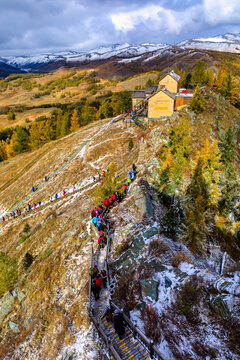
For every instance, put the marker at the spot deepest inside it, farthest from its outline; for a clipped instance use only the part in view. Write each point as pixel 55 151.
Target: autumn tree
pixel 3 153
pixel 74 122
pixel 210 76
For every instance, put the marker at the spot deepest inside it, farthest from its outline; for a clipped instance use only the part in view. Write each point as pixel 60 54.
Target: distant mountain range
pixel 122 53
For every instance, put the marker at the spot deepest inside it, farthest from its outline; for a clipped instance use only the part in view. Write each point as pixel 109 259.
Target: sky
pixel 29 27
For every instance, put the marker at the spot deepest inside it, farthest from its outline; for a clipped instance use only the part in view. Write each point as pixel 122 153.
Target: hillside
pixel 44 315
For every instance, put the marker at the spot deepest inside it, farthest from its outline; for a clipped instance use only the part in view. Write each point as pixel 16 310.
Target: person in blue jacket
pixel 13 214
pixel 29 207
pixel 94 221
pixel 56 196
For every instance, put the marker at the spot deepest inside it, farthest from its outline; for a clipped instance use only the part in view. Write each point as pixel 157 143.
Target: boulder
pixel 150 233
pixel 6 305
pixel 149 289
pixel 221 307
pixel 168 282
pixel 13 327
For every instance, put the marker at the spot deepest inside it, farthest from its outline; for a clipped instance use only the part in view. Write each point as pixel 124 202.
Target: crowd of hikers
pixel 29 207
pixel 99 278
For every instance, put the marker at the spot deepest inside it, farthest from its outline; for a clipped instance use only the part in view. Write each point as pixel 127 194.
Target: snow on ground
pixel 84 347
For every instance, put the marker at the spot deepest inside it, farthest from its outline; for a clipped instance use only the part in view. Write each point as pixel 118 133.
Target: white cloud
pixel 222 12
pixel 158 18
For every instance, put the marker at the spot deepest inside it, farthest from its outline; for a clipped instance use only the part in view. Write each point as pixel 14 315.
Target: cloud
pixel 35 26
pixel 157 17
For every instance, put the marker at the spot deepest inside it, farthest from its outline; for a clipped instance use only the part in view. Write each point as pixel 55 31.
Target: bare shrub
pixel 157 247
pixel 127 292
pixel 124 246
pixel 180 257
pixel 232 268
pixel 145 271
pixel 152 324
pixel 189 298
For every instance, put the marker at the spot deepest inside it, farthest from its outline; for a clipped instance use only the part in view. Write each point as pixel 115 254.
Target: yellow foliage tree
pixel 10 146
pixel 211 170
pixel 74 121
pixel 3 153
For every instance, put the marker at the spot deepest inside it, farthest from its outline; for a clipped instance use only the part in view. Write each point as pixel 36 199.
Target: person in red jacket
pixel 113 197
pixel 105 202
pixel 64 192
pixel 99 281
pixel 101 242
pixel 110 201
pixel 3 220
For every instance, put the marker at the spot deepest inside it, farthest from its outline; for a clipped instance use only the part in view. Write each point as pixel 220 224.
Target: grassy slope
pixel 60 229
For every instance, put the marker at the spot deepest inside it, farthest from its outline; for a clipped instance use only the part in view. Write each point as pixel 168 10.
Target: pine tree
pixel 74 121
pixel 130 145
pixel 198 102
pixel 198 75
pixel 196 210
pixel 21 140
pixel 228 147
pixel 65 125
pixel 229 193
pixel 59 123
pixel 227 87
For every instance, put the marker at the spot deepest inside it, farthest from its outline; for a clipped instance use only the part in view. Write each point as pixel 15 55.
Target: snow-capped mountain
pixel 225 43
pixel 123 53
pixel 126 50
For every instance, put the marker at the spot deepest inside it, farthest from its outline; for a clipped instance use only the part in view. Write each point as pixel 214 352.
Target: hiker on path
pixel 34 205
pixel 99 176
pixel 3 220
pixel 124 189
pixel 64 192
pixel 105 202
pixel 99 281
pixel 101 242
pixel 39 203
pixel 128 180
pixel 94 179
pixel 94 221
pixel 96 290
pixel 56 196
pixel 118 324
pixel 33 188
pixel 110 201
pixel 94 272
pixel 29 207
pixel 13 214
pixel 104 277
pixel 50 198
pixel 108 314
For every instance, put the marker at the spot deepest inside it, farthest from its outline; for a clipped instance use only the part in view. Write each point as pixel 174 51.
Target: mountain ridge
pixel 121 52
